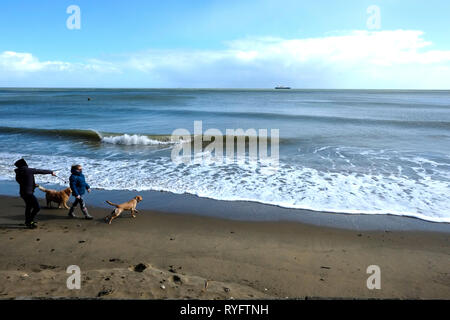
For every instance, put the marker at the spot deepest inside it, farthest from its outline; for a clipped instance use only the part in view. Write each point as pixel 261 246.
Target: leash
pixel 65 181
pixel 61 179
pixel 59 176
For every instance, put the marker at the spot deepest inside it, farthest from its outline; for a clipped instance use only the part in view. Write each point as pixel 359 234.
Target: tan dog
pixel 60 197
pixel 130 205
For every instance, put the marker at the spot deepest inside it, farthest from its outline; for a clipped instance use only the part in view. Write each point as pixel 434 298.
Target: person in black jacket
pixel 25 178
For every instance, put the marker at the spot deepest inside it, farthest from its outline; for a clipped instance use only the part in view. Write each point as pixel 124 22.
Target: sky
pixel 342 44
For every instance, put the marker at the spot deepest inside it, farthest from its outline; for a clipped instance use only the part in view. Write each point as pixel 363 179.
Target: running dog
pixel 60 197
pixel 130 205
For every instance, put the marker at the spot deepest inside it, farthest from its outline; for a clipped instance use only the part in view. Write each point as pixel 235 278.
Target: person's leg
pixel 72 208
pixel 31 209
pixel 84 209
pixel 35 207
pixel 28 208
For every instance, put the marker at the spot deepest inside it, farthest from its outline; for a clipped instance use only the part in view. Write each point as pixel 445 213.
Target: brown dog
pixel 130 205
pixel 60 197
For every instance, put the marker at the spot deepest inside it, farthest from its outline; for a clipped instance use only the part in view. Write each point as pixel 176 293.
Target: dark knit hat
pixel 20 163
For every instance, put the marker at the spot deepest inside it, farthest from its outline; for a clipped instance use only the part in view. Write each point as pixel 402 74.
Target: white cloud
pixel 22 62
pixel 374 48
pixel 26 62
pixel 356 59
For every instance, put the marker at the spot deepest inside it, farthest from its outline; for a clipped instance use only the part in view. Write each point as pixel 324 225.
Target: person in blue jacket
pixel 78 185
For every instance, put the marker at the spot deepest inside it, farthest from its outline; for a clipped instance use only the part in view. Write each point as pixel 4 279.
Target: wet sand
pixel 168 255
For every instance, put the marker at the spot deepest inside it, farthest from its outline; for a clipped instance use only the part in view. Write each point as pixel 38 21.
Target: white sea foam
pixel 134 139
pixel 291 186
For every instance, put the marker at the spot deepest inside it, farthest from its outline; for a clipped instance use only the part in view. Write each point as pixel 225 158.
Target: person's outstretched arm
pixel 41 171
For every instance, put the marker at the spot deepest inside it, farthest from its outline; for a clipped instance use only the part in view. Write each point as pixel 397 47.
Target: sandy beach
pixel 168 255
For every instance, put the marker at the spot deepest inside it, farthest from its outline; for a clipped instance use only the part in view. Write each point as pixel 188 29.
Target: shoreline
pixel 184 253
pixel 172 203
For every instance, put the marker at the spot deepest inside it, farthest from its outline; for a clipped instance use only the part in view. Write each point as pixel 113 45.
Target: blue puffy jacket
pixel 78 183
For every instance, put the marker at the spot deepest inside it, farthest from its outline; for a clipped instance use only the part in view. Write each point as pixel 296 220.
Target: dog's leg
pixel 117 213
pixel 114 215
pixel 108 218
pixel 111 219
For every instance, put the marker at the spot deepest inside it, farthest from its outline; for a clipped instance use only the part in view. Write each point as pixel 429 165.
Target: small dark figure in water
pixel 78 185
pixel 89 99
pixel 25 178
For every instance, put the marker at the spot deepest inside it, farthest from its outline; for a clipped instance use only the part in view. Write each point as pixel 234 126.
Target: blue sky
pixel 225 44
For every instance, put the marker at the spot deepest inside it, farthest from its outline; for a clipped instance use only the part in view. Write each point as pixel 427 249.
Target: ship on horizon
pixel 282 87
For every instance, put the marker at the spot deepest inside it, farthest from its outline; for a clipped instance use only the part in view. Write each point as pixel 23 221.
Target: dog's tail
pixel 41 188
pixel 112 204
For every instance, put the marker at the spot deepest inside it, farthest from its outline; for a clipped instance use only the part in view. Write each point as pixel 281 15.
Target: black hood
pixel 21 163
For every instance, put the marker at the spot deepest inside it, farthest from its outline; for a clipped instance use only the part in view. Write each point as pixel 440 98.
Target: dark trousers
pixel 82 205
pixel 32 207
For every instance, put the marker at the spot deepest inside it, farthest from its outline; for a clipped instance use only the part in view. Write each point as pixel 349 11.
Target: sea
pixel 339 151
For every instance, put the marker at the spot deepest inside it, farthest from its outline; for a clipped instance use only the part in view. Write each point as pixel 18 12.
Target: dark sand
pixel 238 259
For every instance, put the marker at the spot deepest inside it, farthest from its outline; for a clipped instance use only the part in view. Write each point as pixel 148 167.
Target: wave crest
pixel 130 140
pixel 90 135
